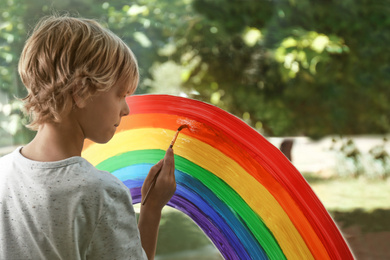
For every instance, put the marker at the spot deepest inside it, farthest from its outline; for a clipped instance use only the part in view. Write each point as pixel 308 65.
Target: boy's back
pixel 64 210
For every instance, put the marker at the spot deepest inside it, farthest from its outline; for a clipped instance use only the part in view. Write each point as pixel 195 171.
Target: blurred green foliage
pixel 318 67
pixel 286 67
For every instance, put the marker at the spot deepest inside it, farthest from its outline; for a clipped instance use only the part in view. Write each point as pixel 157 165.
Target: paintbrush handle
pixel 155 176
pixel 151 186
pixel 174 139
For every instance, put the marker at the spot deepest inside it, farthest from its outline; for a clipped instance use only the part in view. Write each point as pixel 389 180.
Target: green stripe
pixel 220 188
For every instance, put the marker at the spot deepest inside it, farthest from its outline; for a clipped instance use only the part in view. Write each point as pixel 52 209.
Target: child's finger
pixel 169 162
pixel 154 170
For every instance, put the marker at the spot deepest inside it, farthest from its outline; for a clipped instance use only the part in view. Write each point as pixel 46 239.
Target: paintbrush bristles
pixel 182 127
pixel 177 133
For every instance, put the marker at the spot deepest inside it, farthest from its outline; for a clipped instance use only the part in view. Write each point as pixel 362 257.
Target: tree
pixel 286 67
pixel 12 31
pixel 297 67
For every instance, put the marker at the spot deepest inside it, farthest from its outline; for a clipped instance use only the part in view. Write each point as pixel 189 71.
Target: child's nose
pixel 125 109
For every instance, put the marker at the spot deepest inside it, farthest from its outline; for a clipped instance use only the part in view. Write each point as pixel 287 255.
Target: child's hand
pixel 165 185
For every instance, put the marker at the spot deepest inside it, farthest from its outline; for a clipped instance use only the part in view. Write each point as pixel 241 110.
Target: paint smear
pixel 193 125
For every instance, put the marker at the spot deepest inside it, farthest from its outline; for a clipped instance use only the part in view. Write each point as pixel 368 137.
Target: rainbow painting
pixel 237 187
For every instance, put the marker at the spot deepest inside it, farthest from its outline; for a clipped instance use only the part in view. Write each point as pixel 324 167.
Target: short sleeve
pixel 116 235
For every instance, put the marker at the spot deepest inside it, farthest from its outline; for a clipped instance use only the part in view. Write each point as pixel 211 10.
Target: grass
pixel 188 234
pixel 181 239
pixel 348 194
pixel 361 202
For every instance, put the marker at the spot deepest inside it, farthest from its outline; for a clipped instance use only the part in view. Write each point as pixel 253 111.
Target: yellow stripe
pixel 211 159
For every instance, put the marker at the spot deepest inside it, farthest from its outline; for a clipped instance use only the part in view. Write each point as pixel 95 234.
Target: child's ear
pixel 79 101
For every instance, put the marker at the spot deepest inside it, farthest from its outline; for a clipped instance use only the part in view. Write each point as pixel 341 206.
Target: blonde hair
pixel 66 56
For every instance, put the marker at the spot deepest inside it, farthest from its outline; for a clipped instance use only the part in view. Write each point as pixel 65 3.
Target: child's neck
pixel 55 142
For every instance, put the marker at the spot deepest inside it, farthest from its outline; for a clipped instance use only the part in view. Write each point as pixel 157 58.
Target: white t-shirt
pixel 64 210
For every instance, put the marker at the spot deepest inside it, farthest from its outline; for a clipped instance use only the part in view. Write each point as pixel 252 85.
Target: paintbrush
pixel 155 176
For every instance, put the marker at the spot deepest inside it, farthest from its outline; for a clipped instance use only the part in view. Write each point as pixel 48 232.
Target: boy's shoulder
pixel 7 158
pixel 71 173
pixel 104 179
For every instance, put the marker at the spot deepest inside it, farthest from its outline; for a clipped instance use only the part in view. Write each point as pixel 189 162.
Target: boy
pixel 54 204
